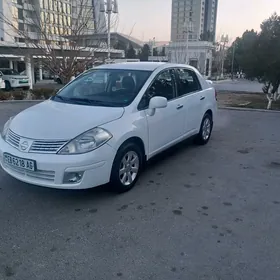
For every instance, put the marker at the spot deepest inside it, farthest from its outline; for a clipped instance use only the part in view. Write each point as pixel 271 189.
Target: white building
pixel 199 55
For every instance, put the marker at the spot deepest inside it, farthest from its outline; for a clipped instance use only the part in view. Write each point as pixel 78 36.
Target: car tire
pixel 205 131
pixel 7 86
pixel 59 81
pixel 126 168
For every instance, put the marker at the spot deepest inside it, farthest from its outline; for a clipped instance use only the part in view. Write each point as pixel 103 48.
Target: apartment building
pixel 53 17
pixel 193 18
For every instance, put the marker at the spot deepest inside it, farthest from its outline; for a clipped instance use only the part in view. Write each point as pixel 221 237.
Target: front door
pixel 165 127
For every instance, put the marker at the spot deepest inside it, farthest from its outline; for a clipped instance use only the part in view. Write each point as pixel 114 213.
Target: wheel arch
pixel 209 111
pixel 136 140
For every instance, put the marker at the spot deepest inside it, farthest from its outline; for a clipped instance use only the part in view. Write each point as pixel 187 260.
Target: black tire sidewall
pixel 7 86
pixel 115 182
pixel 200 139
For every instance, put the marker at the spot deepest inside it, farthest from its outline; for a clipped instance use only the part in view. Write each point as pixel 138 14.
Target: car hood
pixel 52 120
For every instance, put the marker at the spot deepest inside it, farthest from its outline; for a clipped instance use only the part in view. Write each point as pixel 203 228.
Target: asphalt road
pixel 241 85
pixel 207 212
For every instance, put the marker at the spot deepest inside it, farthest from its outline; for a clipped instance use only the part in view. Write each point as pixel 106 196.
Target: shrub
pixel 18 95
pixel 4 95
pixel 42 93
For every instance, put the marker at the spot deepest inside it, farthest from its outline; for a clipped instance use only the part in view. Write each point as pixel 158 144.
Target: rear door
pixel 190 90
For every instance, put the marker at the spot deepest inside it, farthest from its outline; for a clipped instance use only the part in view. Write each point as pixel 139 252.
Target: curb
pixel 21 101
pixel 248 109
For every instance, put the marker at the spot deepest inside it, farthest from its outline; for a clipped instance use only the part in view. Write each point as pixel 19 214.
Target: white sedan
pixel 96 131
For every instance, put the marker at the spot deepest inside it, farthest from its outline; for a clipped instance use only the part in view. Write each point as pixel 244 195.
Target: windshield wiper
pixel 59 97
pixel 93 102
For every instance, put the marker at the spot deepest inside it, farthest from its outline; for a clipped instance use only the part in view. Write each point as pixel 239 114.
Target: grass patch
pixel 248 100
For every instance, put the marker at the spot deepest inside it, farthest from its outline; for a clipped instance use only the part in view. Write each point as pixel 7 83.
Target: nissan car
pixel 104 125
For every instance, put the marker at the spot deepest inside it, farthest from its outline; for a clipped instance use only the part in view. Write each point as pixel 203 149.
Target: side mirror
pixel 156 102
pixel 209 82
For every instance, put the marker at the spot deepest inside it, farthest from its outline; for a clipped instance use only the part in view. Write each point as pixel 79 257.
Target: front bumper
pixel 18 84
pixel 51 168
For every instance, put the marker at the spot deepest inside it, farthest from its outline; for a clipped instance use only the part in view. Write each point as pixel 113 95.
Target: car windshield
pixel 9 72
pixel 104 87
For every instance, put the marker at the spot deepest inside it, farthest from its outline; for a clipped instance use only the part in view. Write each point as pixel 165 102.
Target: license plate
pixel 22 163
pixel 23 81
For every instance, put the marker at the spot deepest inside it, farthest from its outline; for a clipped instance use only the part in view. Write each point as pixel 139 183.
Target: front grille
pixel 40 146
pixel 44 175
pixel 13 139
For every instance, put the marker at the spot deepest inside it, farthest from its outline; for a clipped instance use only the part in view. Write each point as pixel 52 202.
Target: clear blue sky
pixel 151 18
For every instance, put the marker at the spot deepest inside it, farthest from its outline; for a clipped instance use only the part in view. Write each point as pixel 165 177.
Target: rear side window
pixel 187 81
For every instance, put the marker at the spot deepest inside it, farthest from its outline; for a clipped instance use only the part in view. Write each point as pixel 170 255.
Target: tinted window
pixel 9 72
pixel 104 87
pixel 187 81
pixel 163 86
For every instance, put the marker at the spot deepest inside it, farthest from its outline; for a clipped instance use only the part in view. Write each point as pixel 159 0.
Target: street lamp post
pixel 224 41
pixel 111 6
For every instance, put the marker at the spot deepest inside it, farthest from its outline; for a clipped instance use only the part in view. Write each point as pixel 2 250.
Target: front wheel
pixel 126 167
pixel 8 86
pixel 205 131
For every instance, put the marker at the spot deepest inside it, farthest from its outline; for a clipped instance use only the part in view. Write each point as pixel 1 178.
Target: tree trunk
pixel 269 102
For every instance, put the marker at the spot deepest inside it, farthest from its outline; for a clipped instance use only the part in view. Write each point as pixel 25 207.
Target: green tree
pixel 244 54
pixel 258 56
pixel 267 66
pixel 155 52
pixel 144 53
pixel 130 53
pixel 163 52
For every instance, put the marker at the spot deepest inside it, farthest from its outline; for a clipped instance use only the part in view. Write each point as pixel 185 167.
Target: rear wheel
pixel 126 167
pixel 205 130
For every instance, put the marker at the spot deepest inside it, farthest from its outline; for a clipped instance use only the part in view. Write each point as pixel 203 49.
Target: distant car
pixel 57 79
pixel 13 79
pixel 92 133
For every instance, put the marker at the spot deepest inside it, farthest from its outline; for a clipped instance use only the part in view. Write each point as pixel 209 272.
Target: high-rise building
pixel 193 18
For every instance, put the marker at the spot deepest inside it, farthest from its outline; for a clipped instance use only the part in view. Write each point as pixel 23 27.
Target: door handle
pixel 202 97
pixel 179 106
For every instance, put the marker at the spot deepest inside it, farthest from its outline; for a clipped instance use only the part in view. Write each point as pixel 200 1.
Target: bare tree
pixel 58 34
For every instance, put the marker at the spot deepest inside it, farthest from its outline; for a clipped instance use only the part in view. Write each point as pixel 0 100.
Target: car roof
pixel 146 66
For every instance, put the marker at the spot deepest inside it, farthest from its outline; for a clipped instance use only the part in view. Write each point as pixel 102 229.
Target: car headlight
pixel 6 128
pixel 86 142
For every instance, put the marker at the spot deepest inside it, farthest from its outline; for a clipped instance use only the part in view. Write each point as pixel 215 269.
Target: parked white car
pixel 13 79
pixel 93 133
pixel 2 83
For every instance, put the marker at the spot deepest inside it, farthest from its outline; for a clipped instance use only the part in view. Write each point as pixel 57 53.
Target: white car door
pixel 166 126
pixel 190 90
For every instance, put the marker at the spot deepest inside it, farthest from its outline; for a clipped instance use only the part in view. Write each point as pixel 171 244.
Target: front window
pixel 9 72
pixel 104 87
